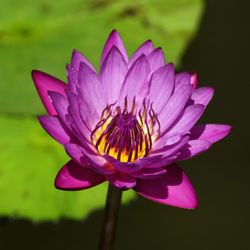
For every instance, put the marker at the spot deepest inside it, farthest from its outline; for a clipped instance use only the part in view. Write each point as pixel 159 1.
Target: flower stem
pixel 108 231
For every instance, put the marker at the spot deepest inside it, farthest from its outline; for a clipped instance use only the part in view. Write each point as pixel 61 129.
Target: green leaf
pixel 41 34
pixel 30 160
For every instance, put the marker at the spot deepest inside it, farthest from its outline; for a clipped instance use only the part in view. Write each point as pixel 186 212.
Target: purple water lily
pixel 128 124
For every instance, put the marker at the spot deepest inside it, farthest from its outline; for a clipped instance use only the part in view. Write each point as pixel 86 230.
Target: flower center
pixel 125 135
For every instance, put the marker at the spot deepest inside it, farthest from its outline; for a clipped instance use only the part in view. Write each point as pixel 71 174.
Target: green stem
pixel 111 213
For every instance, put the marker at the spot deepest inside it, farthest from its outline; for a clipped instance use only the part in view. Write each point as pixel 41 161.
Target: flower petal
pixel 182 79
pixel 202 95
pixel 187 120
pixel 163 156
pixel 77 58
pixel 72 75
pixel 166 140
pixel 91 89
pixel 114 39
pixel 145 49
pixel 75 177
pixel 210 132
pixel 74 151
pixel 123 167
pixel 134 84
pixel 194 80
pixel 193 148
pixel 149 173
pixel 182 125
pixel 76 123
pixel 161 87
pixel 54 128
pixel 97 162
pixel 60 104
pixel 150 162
pixel 121 180
pixel 174 189
pixel 44 83
pixel 171 150
pixel 156 59
pixel 72 69
pixel 174 107
pixel 112 74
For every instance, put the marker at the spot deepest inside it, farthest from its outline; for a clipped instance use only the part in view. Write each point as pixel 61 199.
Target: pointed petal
pixel 44 83
pixel 174 107
pixel 114 39
pixel 145 49
pixel 161 87
pixel 210 132
pixel 194 148
pixel 156 59
pixel 121 180
pixel 174 189
pixel 134 84
pixel 73 69
pixel 75 177
pixel 54 128
pixel 112 74
pixel 202 95
pixel 77 58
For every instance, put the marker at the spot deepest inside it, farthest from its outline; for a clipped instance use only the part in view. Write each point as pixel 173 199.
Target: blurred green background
pixel 209 37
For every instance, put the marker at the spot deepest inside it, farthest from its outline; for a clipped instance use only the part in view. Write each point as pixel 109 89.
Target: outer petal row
pixel 172 187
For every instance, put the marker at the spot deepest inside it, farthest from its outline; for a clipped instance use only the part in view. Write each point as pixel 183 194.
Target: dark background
pixel 220 55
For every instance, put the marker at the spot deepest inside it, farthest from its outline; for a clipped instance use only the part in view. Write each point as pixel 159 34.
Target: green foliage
pixel 41 35
pixel 30 160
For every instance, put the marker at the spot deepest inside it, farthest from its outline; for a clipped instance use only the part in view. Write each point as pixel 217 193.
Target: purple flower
pixel 128 124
